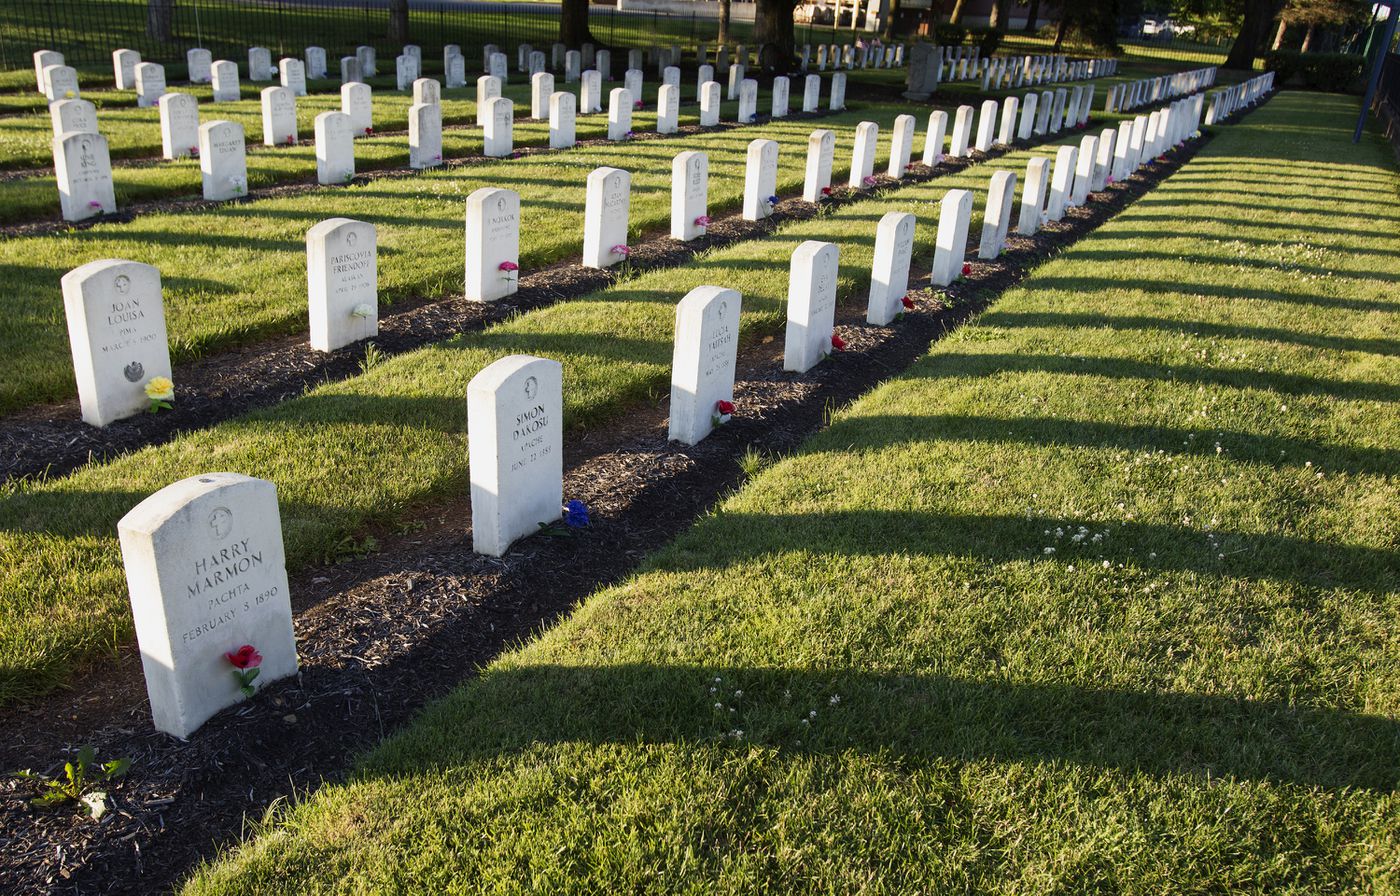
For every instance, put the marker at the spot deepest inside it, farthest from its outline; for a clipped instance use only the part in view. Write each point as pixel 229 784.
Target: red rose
pixel 838 343
pixel 724 407
pixel 908 303
pixel 967 269
pixel 245 657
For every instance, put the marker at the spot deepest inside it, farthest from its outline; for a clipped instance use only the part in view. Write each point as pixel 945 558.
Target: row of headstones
pixel 148 79
pixel 1226 102
pixel 927 62
pixel 1147 91
pixel 82 161
pixel 204 558
pixel 346 310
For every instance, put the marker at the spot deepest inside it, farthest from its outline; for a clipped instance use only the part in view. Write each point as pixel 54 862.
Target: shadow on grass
pixel 916 717
pixel 1013 319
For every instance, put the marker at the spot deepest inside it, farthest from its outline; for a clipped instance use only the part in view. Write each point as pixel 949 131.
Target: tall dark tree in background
pixel 1097 20
pixel 1032 17
pixel 891 20
pixel 1254 31
pixel 160 20
pixel 774 33
pixel 398 20
pixel 724 11
pixel 573 24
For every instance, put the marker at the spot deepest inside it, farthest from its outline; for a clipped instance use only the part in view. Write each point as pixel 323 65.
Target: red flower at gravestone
pixel 908 303
pixel 967 269
pixel 369 131
pixel 837 343
pixel 245 657
pixel 724 407
pixel 826 191
pixel 291 141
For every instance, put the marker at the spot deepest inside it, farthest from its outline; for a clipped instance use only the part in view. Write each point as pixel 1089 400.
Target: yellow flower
pixel 160 388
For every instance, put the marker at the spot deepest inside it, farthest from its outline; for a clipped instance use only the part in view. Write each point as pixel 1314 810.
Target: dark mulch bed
pixel 52 440
pixel 381 635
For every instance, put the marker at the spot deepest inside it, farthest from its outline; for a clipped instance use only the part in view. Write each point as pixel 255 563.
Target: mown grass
pixel 893 663
pixel 237 272
pixel 362 450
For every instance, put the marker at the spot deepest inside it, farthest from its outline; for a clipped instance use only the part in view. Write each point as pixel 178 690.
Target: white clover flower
pixel 719 706
pixel 835 699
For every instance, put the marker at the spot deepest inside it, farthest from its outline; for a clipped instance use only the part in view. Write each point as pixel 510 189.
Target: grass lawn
pixel 362 450
pixel 1098 597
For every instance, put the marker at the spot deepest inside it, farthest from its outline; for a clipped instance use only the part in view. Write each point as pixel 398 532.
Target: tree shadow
pixel 916 717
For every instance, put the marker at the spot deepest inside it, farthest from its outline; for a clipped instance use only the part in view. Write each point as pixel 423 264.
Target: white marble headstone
pixel 207 574
pixel 863 154
pixel 498 140
pixel 901 146
pixel 1033 195
pixel 315 66
pixel 933 138
pixel 342 281
pixel 492 240
pixel 962 133
pixel 812 93
pixel 811 305
pixel 335 148
pixel 124 64
pixel 424 136
pixel 703 360
pixel 292 74
pixel 259 64
pixel 690 185
pixel 950 246
pixel 541 89
pixel 427 90
pixel 1001 194
pixel 179 125
pixel 279 116
pixel 223 160
pixel 889 279
pixel 709 104
pixel 760 179
pixel 73 117
pixel 357 101
pixel 515 442
pixel 821 151
pixel 199 63
pixel 619 113
pixel 224 75
pixel 60 83
pixel 83 169
pixel 116 331
pixel 563 120
pixel 605 218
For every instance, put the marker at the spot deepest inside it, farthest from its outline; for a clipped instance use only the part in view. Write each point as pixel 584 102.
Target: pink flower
pixel 194 151
pixel 868 182
pixel 509 267
pixel 291 140
pixel 93 203
pixel 702 221
pixel 622 249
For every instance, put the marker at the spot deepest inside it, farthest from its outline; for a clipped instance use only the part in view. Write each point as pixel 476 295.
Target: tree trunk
pixel 774 34
pixel 1254 31
pixel 573 24
pixel 1061 30
pixel 1308 37
pixel 1000 15
pixel 1278 38
pixel 723 22
pixel 160 18
pixel 1032 17
pixel 398 20
pixel 891 15
pixel 956 16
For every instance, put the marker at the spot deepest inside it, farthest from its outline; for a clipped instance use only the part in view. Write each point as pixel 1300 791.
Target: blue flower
pixel 575 514
pixel 772 200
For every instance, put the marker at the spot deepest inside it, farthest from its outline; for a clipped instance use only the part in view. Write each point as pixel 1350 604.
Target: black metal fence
pixel 1386 104
pixel 87 31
